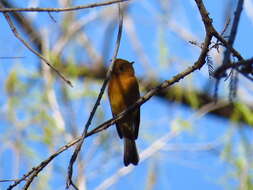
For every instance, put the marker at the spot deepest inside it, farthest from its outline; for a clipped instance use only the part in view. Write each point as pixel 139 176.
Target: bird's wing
pixel 136 123
pixel 132 96
pixel 118 128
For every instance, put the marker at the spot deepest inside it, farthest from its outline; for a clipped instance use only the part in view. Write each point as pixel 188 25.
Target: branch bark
pixel 38 9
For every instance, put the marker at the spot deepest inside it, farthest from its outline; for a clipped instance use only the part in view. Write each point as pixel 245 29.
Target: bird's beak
pixel 132 62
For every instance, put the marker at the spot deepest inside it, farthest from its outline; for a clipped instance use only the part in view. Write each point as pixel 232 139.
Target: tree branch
pixel 233 31
pixel 227 66
pixel 26 25
pixel 38 9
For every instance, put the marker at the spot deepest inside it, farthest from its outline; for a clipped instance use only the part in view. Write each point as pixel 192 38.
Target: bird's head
pixel 123 67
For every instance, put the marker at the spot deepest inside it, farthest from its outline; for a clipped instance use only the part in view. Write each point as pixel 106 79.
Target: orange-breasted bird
pixel 123 91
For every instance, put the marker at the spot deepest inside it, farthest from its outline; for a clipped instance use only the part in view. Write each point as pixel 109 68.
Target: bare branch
pixel 6 180
pixel 227 66
pixel 209 27
pixel 38 9
pixel 233 31
pixel 225 43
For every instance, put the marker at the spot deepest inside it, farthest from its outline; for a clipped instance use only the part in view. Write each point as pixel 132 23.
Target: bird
pixel 123 91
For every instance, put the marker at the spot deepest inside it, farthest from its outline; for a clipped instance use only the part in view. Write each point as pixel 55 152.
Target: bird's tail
pixel 130 152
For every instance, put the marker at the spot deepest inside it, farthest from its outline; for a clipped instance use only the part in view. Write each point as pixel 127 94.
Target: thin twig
pixel 225 26
pixel 6 180
pixel 244 74
pixel 25 176
pixel 6 57
pixel 15 32
pixel 225 43
pixel 230 43
pixel 79 145
pixel 227 66
pixel 39 9
pixel 210 28
pixel 233 31
pixel 26 25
